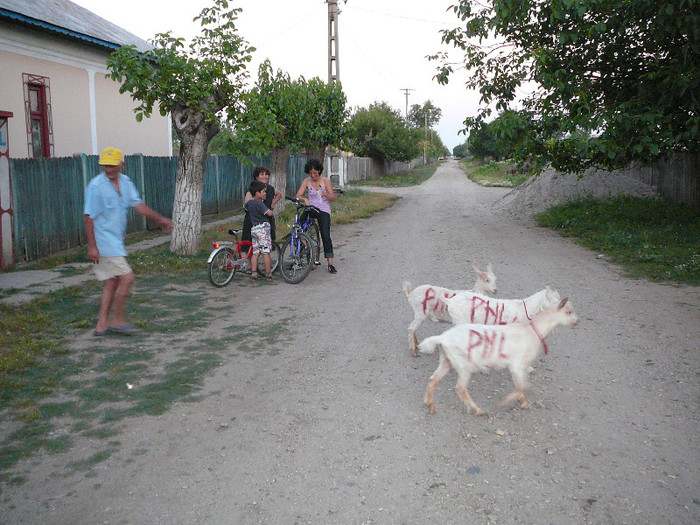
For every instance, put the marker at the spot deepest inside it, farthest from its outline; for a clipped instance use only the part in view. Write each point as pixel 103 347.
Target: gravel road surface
pixel 326 423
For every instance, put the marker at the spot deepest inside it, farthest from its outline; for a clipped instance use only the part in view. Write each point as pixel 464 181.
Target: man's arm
pixel 93 253
pixel 144 210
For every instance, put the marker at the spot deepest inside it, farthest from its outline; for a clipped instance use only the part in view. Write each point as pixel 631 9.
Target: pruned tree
pixel 380 132
pixel 426 115
pixel 609 81
pixel 194 84
pixel 461 150
pixel 325 124
pixel 281 113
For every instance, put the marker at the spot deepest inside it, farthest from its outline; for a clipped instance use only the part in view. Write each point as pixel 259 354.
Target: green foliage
pixel 434 147
pixel 381 133
pixel 461 150
pixel 615 81
pixel 503 138
pixel 203 80
pixel 426 115
pixel 653 238
pixel 501 174
pixel 281 112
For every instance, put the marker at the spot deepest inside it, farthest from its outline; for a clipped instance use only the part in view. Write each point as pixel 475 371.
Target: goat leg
pixel 464 394
pixel 443 368
pixel 414 344
pixel 518 395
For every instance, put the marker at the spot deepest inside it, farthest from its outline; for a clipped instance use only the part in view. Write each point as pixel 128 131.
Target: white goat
pixel 428 301
pixel 470 347
pixel 468 307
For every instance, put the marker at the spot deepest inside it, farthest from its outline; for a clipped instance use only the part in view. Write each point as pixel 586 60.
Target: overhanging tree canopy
pixel 611 81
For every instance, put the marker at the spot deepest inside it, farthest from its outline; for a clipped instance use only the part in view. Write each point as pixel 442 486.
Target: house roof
pixel 70 20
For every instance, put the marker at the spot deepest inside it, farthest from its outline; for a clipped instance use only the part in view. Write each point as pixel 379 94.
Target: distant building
pixel 54 98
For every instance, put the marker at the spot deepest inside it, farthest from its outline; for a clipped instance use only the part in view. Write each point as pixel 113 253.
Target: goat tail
pixel 428 345
pixel 407 288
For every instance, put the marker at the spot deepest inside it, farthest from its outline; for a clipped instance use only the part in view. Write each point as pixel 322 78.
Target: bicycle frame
pixel 304 228
pixel 242 262
pixel 299 251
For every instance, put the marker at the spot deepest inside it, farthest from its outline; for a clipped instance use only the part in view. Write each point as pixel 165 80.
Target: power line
pixel 393 15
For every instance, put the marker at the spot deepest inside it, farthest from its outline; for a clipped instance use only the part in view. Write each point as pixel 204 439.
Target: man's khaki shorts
pixel 110 267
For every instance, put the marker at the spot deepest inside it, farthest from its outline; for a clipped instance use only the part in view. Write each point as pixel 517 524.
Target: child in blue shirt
pixel 260 232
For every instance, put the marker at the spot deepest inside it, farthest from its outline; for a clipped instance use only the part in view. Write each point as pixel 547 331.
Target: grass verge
pixel 501 174
pixel 650 238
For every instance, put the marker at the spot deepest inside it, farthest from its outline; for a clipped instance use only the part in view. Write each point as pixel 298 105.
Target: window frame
pixel 42 87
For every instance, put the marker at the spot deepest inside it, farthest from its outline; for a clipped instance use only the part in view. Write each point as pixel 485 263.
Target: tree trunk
pixel 318 153
pixel 194 133
pixel 278 172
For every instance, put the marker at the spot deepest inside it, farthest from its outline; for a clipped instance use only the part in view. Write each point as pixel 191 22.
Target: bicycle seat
pixel 235 232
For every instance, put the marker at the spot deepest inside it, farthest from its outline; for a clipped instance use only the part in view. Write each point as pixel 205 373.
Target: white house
pixel 53 64
pixel 55 99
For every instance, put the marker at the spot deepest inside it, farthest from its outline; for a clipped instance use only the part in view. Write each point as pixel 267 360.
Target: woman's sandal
pixel 268 277
pixel 254 276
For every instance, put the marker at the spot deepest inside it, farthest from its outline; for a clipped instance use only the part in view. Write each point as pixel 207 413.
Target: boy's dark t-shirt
pixel 257 210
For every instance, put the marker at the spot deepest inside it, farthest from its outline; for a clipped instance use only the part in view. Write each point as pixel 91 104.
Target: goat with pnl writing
pixel 471 347
pixel 473 308
pixel 428 301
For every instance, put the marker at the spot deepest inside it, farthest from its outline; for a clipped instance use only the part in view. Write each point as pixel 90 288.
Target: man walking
pixel 107 200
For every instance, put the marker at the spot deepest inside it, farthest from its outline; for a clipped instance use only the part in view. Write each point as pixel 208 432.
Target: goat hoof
pixel 479 412
pixel 431 409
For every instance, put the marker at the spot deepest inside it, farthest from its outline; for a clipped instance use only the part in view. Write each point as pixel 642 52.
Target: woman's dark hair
pixel 313 164
pixel 256 186
pixel 258 170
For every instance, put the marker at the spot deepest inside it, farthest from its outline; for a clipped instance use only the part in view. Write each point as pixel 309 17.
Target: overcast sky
pixel 383 45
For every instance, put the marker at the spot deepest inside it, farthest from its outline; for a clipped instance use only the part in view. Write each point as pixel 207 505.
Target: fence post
pixel 142 190
pixel 217 175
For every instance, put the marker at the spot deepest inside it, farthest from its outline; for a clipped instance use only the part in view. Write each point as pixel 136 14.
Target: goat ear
pixel 563 302
pixel 489 268
pixel 476 269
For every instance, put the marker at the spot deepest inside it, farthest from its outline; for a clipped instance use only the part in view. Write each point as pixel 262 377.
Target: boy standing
pixel 260 232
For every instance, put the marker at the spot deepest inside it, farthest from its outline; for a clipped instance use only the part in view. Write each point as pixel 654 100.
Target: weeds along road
pixel 315 411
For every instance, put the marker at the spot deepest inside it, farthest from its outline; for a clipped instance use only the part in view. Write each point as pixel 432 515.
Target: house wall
pixel 88 112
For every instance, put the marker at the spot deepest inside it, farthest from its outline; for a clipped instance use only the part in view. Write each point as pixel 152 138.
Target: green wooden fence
pixel 49 194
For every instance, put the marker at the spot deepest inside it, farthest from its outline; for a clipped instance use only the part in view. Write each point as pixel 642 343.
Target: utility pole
pixel 333 46
pixel 425 142
pixel 406 90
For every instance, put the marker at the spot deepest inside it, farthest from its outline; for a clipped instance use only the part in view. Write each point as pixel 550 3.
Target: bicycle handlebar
pixel 301 204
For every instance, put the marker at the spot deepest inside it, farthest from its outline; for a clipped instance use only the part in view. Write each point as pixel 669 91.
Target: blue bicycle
pixel 300 251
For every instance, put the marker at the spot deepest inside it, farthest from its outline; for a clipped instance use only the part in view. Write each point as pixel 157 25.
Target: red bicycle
pixel 230 256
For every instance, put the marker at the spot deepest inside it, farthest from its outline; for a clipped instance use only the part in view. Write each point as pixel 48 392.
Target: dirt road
pixel 325 422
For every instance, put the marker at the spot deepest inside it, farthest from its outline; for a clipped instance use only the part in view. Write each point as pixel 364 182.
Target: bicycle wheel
pixel 296 258
pixel 221 267
pixel 274 259
pixel 315 235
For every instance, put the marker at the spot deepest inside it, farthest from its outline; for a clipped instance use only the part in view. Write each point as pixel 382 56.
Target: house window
pixel 37 104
